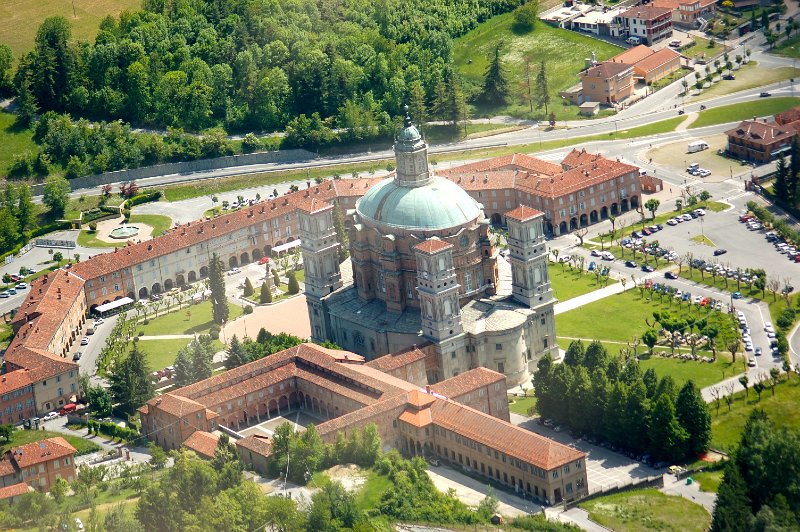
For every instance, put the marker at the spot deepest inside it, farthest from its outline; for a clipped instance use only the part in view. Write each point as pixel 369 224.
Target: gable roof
pixel 759 132
pixel 646 12
pixel 633 55
pixel 606 70
pixel 467 382
pixel 523 213
pixel 203 443
pixel 432 245
pixel 42 451
pixel 657 60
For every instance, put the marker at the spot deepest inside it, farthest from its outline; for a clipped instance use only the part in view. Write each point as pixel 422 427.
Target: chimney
pixel 428 388
pixel 149 247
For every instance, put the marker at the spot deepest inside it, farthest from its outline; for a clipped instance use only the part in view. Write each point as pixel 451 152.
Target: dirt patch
pixel 349 475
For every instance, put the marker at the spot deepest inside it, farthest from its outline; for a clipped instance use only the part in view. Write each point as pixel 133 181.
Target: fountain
pixel 124 232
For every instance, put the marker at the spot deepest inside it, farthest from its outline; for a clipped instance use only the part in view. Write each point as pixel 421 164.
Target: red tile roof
pixel 786 117
pixel 7 466
pixel 14 490
pixel 41 451
pixel 203 443
pixel 646 12
pixel 393 361
pixel 606 70
pixel 502 436
pixel 523 213
pixel 258 444
pixel 14 380
pixel 467 382
pixel 657 60
pixel 515 161
pixel 432 245
pixel 633 55
pixel 759 132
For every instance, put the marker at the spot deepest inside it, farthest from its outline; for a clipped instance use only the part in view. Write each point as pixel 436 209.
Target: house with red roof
pixel 36 465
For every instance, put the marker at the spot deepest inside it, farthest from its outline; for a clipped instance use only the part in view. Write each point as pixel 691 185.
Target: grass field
pixel 21 18
pixel 158 222
pixel 13 140
pixel 177 322
pixel 568 284
pixel 749 76
pixel 563 51
pixel 709 480
pixel 521 405
pixel 783 409
pixel 702 239
pixel 161 353
pixel 743 111
pixel 700 48
pixel 21 437
pixel 789 47
pixel 643 510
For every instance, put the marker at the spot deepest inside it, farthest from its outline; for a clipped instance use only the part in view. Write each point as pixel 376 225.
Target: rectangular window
pixel 498 347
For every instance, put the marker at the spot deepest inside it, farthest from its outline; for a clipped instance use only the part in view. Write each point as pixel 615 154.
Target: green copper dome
pixel 439 204
pixel 409 134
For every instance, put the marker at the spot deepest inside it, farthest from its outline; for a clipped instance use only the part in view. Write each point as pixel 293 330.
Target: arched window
pixel 448 308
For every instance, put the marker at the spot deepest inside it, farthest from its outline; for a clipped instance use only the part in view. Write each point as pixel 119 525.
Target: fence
pixel 187 167
pixel 649 482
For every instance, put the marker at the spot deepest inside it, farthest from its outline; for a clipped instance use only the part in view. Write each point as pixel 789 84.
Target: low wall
pixel 649 482
pixel 187 167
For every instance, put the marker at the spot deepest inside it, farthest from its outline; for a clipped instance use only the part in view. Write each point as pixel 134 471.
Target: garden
pixel 569 281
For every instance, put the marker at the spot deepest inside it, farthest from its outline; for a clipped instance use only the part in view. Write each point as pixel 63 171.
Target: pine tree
pixel 248 287
pixel 26 104
pixel 341 233
pixel 495 84
pixel 416 103
pixel 266 294
pixel 439 105
pixel 202 358
pixel 276 279
pixel 184 373
pixel 456 112
pixel 25 209
pixel 732 511
pixel 293 286
pixel 263 336
pixel 237 356
pixel 667 437
pixel 781 179
pixel 694 417
pixel 216 282
pixel 542 93
pixel 131 383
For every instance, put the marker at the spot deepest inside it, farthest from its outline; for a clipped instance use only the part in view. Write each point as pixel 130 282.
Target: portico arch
pixel 232 262
pixel 143 293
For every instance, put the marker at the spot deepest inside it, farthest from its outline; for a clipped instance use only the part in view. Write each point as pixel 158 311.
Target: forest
pixel 253 65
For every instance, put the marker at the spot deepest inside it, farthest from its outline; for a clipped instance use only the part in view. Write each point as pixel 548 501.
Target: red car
pixel 264 260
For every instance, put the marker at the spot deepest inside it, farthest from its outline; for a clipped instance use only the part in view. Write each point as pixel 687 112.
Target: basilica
pixel 424 270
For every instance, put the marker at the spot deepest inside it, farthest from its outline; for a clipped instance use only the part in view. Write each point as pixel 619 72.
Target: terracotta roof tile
pixel 420 399
pixel 759 132
pixel 417 418
pixel 203 443
pixel 502 436
pixel 467 382
pixel 14 380
pixel 523 213
pixel 646 12
pixel 7 467
pixel 397 360
pixel 606 69
pixel 635 54
pixel 14 490
pixel 657 60
pixel 432 245
pixel 42 451
pixel 258 444
pixel 786 117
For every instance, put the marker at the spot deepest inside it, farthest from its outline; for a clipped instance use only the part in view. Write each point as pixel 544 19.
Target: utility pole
pixel 74 13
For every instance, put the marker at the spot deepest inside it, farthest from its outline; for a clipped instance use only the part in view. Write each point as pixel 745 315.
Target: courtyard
pixel 298 419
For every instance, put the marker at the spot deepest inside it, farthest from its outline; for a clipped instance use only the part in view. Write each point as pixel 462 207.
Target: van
pixel 697 146
pixel 633 41
pixel 68 409
pixel 90 328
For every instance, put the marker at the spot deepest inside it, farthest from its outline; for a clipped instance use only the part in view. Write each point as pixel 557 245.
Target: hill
pixel 21 18
pixel 564 52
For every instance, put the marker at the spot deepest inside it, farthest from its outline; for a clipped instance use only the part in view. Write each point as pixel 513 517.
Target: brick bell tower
pixel 437 287
pixel 321 261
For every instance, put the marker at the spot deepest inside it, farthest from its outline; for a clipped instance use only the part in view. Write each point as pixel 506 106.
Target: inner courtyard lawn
pixel 161 353
pixel 521 405
pixel 644 510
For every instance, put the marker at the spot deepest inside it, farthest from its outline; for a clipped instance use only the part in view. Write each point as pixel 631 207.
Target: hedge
pixel 112 430
pixel 144 197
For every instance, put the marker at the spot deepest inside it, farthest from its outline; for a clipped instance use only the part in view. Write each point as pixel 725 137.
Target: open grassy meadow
pixel 13 140
pixel 644 510
pixel 568 283
pixel 20 19
pixel 563 51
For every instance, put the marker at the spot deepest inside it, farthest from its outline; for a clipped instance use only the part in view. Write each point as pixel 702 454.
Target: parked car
pixel 647 268
pixel 77 356
pixel 720 251
pixel 758 351
pixel 672 221
pixel 729 77
pixel 751 362
pixel 85 341
pixel 99 321
pixel 264 260
pixel 765 94
pixel 51 415
pixel 670 275
pixel 5 293
pixel 22 286
pixel 234 271
pixel 630 264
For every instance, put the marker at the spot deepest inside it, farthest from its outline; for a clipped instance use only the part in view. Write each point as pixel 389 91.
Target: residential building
pixel 689 14
pixel 760 141
pixel 649 65
pixel 38 465
pixel 607 83
pixel 463 420
pixel 649 23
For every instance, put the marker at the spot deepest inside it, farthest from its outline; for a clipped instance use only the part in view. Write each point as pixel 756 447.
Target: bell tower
pixel 411 156
pixel 321 261
pixel 437 287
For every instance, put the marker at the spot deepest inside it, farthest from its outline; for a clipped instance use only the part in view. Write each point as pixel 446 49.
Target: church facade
pixel 424 269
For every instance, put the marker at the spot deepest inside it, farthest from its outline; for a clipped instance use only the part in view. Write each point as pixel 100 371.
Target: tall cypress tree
pixel 694 417
pixel 216 282
pixel 542 93
pixel 667 437
pixel 732 511
pixel 495 84
pixel 794 172
pixel 131 384
pixel 781 179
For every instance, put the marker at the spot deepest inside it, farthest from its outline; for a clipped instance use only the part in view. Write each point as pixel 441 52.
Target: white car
pixel 84 341
pixel 99 321
pixel 672 221
pixel 768 326
pixel 748 347
pixel 234 271
pixel 751 362
pixel 51 415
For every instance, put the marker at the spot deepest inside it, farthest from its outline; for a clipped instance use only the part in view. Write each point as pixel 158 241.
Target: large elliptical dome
pixel 414 198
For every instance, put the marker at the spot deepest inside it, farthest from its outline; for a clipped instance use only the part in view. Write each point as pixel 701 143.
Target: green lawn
pixel 708 480
pixel 743 111
pixel 749 76
pixel 643 510
pixel 13 140
pixel 158 222
pixel 21 437
pixel 178 322
pixel 521 405
pixel 789 47
pixel 21 18
pixel 700 48
pixel 563 51
pixel 568 283
pixel 162 353
pixel 369 496
pixel 783 409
